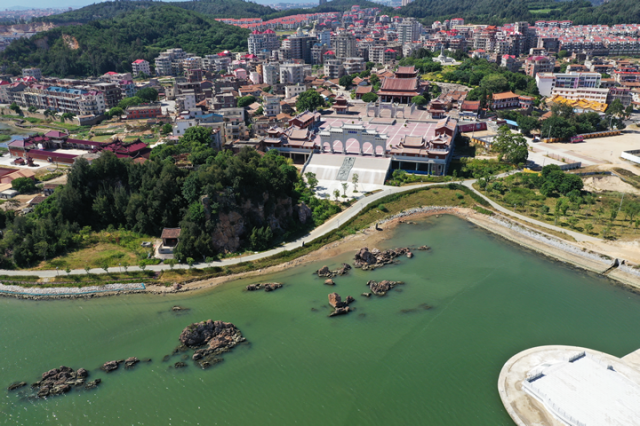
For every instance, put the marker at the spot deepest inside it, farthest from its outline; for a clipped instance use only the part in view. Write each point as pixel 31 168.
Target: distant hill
pixel 330 6
pixel 581 12
pixel 112 9
pixel 112 44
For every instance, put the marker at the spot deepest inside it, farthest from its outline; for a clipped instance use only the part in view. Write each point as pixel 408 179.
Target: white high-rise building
pixel 260 42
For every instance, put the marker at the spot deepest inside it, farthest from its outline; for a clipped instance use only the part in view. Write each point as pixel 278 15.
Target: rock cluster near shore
pixel 61 380
pixel 325 272
pixel 368 260
pixel 218 336
pixel 266 286
pixel 381 288
pixel 339 307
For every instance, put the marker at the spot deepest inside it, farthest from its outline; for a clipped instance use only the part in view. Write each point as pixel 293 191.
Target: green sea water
pixel 389 362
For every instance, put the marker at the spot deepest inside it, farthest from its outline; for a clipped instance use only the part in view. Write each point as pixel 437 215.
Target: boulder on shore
pixel 218 336
pixel 381 288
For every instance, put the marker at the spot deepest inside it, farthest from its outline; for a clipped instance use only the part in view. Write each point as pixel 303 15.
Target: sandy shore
pixel 518 233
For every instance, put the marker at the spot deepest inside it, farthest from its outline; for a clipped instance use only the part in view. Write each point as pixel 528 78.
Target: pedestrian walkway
pixel 325 228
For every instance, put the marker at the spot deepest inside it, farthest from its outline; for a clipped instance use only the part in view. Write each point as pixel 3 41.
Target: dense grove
pixel 111 193
pixel 112 44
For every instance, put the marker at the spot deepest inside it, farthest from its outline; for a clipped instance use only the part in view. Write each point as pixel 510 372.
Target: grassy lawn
pixel 104 248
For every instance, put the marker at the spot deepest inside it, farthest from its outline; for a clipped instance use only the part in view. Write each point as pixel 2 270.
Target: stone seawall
pixel 68 292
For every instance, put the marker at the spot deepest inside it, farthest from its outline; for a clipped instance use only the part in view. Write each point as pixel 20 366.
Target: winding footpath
pixel 325 228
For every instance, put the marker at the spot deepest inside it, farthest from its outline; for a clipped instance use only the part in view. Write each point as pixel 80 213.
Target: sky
pixel 41 4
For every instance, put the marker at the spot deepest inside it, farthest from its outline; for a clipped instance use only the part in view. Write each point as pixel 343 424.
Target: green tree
pixel 354 179
pixel 345 81
pixel 588 227
pixel 309 101
pixel 190 262
pixel 345 185
pixel 42 248
pixel 312 180
pixel 167 128
pixel 115 112
pixel 369 97
pixel 245 101
pixel 32 109
pixel 23 185
pixel 512 147
pixel 148 94
pixel 616 109
pixel 132 101
pixel 494 83
pixel 15 108
pixel 419 100
pixel 171 263
pixel 336 194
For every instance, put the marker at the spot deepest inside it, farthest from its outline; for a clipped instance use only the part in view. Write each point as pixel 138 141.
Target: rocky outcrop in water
pixel 60 380
pixel 340 307
pixel 375 258
pixel 110 366
pixel 217 336
pixel 325 272
pixel 266 286
pixel 130 362
pixel 381 288
pixel 329 282
pixel 424 248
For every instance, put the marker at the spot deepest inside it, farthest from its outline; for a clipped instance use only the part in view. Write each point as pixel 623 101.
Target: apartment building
pixel 260 42
pixel 354 65
pixel 333 68
pixel 140 66
pixel 538 64
pixel 345 45
pixel 548 82
pixel 32 72
pixel 271 73
pixel 291 73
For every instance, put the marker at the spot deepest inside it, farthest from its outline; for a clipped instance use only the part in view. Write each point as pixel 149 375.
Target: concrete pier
pixel 568 385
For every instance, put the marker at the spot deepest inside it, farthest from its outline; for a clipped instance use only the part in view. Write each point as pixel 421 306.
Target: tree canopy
pixel 512 147
pixel 309 100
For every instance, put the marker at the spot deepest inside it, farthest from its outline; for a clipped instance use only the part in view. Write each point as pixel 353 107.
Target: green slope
pixel 112 44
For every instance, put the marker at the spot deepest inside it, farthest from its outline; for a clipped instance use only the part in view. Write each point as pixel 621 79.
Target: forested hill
pixel 330 6
pixel 112 44
pixel 112 9
pixel 581 12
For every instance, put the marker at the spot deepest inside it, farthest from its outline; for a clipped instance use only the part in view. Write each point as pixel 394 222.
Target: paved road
pixel 325 228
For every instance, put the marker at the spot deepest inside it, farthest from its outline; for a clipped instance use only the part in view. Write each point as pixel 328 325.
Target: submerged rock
pixel 16 385
pixel 180 364
pixel 218 336
pixel 179 308
pixel 366 294
pixel 93 384
pixel 424 248
pixel 381 288
pixel 267 286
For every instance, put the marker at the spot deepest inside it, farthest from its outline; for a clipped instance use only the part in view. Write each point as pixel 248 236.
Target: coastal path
pixel 325 228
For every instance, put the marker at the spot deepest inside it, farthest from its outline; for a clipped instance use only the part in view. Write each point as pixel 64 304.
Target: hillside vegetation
pixel 581 12
pixel 112 9
pixel 112 44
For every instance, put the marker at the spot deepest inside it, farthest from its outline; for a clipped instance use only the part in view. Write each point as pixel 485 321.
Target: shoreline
pixel 533 239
